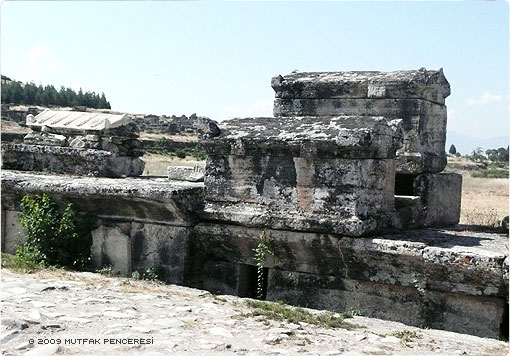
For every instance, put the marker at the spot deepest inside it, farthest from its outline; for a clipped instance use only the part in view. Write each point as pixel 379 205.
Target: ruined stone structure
pixel 308 174
pixel 81 143
pixel 331 185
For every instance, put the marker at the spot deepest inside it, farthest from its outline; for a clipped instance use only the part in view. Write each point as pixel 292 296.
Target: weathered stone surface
pixel 474 315
pixel 111 247
pixel 440 194
pixel 441 279
pixel 342 136
pixel 308 174
pixel 138 199
pixel 464 262
pixel 189 322
pixel 186 173
pixel 411 212
pixel 12 232
pixel 69 160
pixel 128 247
pixel 161 247
pixel 44 138
pixel 416 97
pixel 425 84
pixel 75 121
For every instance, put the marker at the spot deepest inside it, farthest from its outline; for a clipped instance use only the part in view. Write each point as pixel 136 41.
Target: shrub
pixel 54 237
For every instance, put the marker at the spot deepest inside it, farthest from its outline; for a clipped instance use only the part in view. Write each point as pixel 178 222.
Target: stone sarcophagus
pixel 323 174
pixel 415 96
pixel 78 143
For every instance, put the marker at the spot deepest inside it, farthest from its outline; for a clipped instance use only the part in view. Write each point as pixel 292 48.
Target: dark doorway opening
pixel 504 324
pixel 404 184
pixel 247 281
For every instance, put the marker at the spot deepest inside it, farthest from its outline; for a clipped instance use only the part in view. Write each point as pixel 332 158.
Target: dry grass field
pixel 484 200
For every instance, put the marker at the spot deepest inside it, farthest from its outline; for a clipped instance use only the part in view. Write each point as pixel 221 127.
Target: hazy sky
pixel 217 58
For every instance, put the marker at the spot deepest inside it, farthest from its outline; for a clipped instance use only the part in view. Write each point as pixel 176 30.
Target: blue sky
pixel 217 58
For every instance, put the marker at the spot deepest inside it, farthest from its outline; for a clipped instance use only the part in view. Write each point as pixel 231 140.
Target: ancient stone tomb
pixel 333 174
pixel 80 143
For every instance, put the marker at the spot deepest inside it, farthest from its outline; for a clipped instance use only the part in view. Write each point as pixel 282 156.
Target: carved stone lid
pixel 72 121
pixel 403 84
pixel 344 136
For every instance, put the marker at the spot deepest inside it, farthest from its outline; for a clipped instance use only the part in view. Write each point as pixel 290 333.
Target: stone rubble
pixel 186 321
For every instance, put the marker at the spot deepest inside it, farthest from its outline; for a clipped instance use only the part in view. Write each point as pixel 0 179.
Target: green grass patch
pixel 19 264
pixel 406 336
pixel 282 312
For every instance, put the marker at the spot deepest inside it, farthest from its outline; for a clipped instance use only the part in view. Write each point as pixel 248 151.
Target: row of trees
pixel 31 94
pixel 493 155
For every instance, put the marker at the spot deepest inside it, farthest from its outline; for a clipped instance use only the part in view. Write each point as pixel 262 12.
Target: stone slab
pixel 441 195
pixel 451 261
pixel 186 173
pixel 111 247
pixel 135 246
pixel 69 160
pixel 423 124
pixel 43 138
pixel 422 83
pixel 12 232
pixel 77 121
pixel 342 136
pixel 134 199
pixel 481 316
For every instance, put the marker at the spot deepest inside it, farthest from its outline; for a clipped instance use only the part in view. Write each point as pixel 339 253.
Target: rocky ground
pixel 64 313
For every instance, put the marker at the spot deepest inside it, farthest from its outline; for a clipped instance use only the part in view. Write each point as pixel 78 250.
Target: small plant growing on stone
pixel 151 274
pixel 261 252
pixel 406 336
pixel 54 237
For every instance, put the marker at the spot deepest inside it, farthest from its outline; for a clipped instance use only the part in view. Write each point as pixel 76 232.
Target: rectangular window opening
pixel 248 283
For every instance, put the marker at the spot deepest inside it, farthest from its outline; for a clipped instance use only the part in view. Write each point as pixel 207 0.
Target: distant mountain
pixel 465 144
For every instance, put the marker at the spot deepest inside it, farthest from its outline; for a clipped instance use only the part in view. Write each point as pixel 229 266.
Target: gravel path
pixel 90 314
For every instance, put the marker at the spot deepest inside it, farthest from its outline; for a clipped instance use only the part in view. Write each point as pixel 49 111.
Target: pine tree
pixel 452 150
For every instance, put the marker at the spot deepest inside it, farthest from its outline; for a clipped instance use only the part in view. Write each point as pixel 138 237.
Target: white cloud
pixel 41 61
pixel 485 99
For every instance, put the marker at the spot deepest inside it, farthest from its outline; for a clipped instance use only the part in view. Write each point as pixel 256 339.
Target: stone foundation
pixel 452 280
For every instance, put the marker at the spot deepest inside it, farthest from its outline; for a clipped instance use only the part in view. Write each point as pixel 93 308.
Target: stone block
pixel 425 84
pixel 12 232
pixel 481 316
pixel 111 246
pixel 440 195
pixel 452 280
pixel 461 262
pixel 162 247
pixel 220 277
pixel 69 160
pixel 43 138
pixel 416 97
pixel 139 199
pixel 186 173
pixel 306 174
